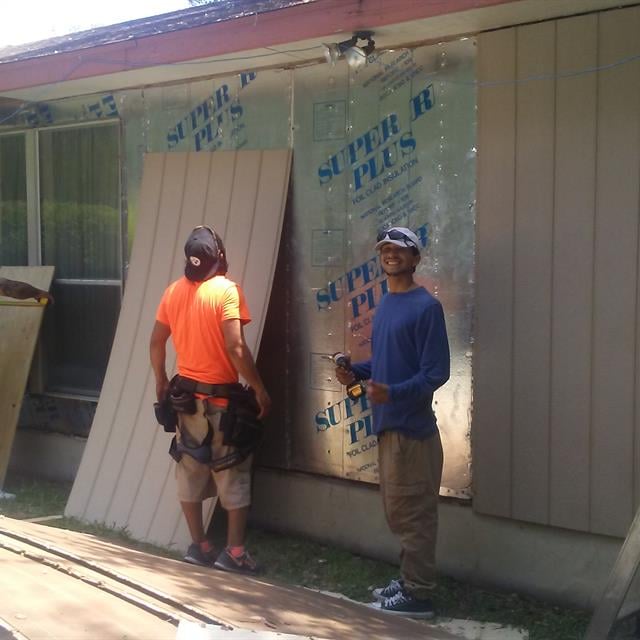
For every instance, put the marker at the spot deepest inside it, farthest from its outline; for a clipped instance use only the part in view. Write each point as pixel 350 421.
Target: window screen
pixel 80 226
pixel 13 201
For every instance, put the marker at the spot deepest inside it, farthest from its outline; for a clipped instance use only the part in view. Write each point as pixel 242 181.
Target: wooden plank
pixel 244 602
pixel 491 427
pixel 616 263
pixel 575 161
pixel 123 340
pixel 19 328
pixel 610 607
pixel 102 615
pixel 132 483
pixel 535 61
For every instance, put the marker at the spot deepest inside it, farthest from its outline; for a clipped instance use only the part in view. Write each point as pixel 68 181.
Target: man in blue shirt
pixel 409 361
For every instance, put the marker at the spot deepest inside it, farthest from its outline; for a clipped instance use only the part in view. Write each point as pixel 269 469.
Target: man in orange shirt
pixel 204 313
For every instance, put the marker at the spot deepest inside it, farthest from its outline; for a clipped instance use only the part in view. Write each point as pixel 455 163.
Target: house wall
pixel 555 424
pixel 390 144
pixel 555 454
pixel 557 565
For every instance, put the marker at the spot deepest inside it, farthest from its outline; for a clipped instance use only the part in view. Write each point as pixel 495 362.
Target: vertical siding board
pixel 123 340
pixel 136 375
pixel 167 527
pixel 218 206
pixel 244 201
pixel 145 442
pixel 615 286
pixel 267 225
pixel 573 272
pixel 535 107
pixel 491 429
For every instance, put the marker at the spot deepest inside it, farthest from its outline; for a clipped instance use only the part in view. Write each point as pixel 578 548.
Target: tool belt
pixel 242 431
pixel 212 390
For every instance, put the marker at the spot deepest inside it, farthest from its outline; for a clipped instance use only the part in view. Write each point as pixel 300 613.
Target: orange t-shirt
pixel 195 311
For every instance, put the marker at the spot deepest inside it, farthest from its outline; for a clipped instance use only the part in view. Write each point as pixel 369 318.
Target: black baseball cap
pixel 202 253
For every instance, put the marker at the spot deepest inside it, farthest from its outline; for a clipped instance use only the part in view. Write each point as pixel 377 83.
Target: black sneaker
pixel 404 604
pixel 382 593
pixel 243 564
pixel 195 555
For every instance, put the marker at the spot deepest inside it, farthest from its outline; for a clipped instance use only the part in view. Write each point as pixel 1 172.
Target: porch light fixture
pixel 356 56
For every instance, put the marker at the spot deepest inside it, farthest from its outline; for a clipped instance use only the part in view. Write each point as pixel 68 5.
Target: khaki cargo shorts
pixel 197 481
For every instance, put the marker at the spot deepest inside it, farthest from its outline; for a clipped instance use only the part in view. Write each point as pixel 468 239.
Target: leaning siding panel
pixel 186 181
pixel 122 345
pixel 125 477
pixel 133 403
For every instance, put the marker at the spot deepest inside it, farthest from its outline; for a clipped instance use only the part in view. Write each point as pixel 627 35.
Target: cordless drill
pixel 356 389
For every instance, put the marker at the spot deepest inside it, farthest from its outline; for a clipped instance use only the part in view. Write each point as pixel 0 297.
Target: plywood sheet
pixel 19 326
pixel 125 476
pixel 238 601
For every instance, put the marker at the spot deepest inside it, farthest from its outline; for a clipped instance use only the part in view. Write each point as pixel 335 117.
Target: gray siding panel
pixel 616 260
pixel 556 358
pixel 575 163
pixel 535 63
pixel 494 268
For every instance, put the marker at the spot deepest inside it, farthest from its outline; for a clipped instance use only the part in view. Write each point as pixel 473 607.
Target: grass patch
pixel 297 561
pixel 317 566
pixel 34 498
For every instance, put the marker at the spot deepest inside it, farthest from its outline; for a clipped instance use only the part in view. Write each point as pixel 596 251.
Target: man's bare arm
pixel 242 360
pixel 158 355
pixel 23 291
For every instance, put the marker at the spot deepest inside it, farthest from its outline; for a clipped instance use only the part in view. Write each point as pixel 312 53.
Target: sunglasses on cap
pixel 204 226
pixel 394 234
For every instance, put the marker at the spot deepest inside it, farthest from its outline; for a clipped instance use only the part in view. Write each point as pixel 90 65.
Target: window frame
pixel 37 380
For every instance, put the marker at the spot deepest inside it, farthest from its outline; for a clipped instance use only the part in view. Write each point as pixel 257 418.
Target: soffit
pixel 140 62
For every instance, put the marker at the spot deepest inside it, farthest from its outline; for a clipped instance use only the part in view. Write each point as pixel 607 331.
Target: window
pixel 13 201
pixel 76 212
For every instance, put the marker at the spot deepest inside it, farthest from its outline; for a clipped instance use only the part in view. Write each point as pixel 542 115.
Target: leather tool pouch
pixel 165 415
pixel 181 400
pixel 240 424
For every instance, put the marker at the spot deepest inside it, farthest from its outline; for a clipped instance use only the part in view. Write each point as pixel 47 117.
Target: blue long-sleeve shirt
pixel 410 353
